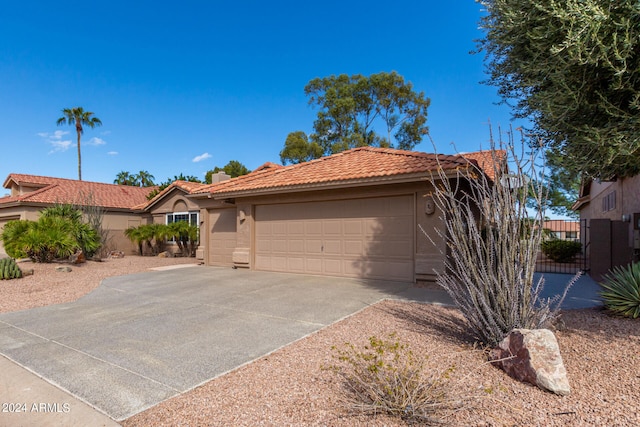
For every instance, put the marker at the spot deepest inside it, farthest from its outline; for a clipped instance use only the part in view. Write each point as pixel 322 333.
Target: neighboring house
pixel 354 214
pixel 562 229
pixel 29 194
pixel 611 210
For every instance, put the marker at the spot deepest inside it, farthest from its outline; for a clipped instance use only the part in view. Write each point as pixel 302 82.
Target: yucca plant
pixel 621 292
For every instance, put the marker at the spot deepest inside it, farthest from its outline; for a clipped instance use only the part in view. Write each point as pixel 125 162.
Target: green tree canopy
pixel 349 109
pixel 78 117
pixel 234 169
pixel 573 68
pixel 141 179
pixel 125 178
pixel 298 149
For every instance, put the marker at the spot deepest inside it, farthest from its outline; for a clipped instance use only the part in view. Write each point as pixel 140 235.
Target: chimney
pixel 219 177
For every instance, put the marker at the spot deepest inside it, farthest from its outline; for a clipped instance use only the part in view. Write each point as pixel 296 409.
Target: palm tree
pixel 136 236
pixel 78 117
pixel 124 178
pixel 144 179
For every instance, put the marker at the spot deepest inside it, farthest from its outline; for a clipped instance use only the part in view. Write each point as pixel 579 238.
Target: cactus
pixel 9 269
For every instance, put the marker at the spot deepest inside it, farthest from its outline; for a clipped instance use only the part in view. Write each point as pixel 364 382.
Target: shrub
pixel 87 238
pixel 58 233
pixel 9 269
pixel 49 238
pixel 621 292
pixel 387 377
pixel 186 236
pixel 11 237
pixel 561 250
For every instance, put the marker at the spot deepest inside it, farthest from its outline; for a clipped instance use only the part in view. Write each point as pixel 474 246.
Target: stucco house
pixel 611 211
pixel 353 214
pixel 29 194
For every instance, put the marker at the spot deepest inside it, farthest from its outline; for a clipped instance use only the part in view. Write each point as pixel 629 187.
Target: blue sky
pixel 182 87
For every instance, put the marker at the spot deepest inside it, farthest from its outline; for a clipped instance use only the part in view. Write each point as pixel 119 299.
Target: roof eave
pixel 582 201
pixel 331 185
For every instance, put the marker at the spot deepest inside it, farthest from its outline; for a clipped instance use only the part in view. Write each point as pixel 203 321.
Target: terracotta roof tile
pixel 61 190
pixel 186 186
pixel 351 165
pixel 487 160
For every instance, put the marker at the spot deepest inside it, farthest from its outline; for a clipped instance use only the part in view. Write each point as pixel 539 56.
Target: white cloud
pixel 59 146
pixel 201 157
pixel 97 141
pixel 112 153
pixel 56 140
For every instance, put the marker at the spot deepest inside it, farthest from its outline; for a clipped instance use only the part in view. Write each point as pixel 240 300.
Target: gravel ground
pixel 291 386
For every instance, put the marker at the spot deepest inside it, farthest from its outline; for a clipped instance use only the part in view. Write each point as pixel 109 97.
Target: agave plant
pixel 621 292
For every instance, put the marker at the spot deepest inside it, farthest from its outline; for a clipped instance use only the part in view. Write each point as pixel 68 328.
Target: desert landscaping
pixel 293 385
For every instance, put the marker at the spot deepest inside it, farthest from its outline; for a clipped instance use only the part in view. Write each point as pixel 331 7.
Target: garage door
pixel 222 236
pixel 370 238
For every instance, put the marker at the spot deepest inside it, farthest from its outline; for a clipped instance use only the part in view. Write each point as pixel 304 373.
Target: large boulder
pixel 533 356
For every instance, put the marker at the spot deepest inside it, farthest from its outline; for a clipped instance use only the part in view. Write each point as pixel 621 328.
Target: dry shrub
pixel 386 377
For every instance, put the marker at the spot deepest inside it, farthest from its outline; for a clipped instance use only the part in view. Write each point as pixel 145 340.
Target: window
pixel 572 235
pixel 609 202
pixel 191 217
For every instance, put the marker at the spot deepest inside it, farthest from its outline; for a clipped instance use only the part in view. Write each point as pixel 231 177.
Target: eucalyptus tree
pixel 78 117
pixel 352 107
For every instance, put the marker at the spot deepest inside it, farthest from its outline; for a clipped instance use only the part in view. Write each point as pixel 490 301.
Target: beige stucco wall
pixel 117 223
pixel 627 202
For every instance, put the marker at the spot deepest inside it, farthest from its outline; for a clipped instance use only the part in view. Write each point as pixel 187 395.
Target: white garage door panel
pixel 370 238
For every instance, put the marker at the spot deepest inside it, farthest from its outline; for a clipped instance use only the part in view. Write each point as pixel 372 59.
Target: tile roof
pixel 487 159
pixel 61 190
pixel 364 163
pixel 187 186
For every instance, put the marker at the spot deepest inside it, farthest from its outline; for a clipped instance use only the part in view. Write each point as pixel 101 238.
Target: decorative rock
pixel 165 254
pixel 63 269
pixel 78 258
pixel 533 356
pixel 27 272
pixel 116 254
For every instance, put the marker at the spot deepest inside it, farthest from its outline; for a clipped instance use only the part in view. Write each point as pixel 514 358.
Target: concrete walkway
pixel 140 339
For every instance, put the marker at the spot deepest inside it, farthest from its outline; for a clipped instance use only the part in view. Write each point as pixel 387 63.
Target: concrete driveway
pixel 140 339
